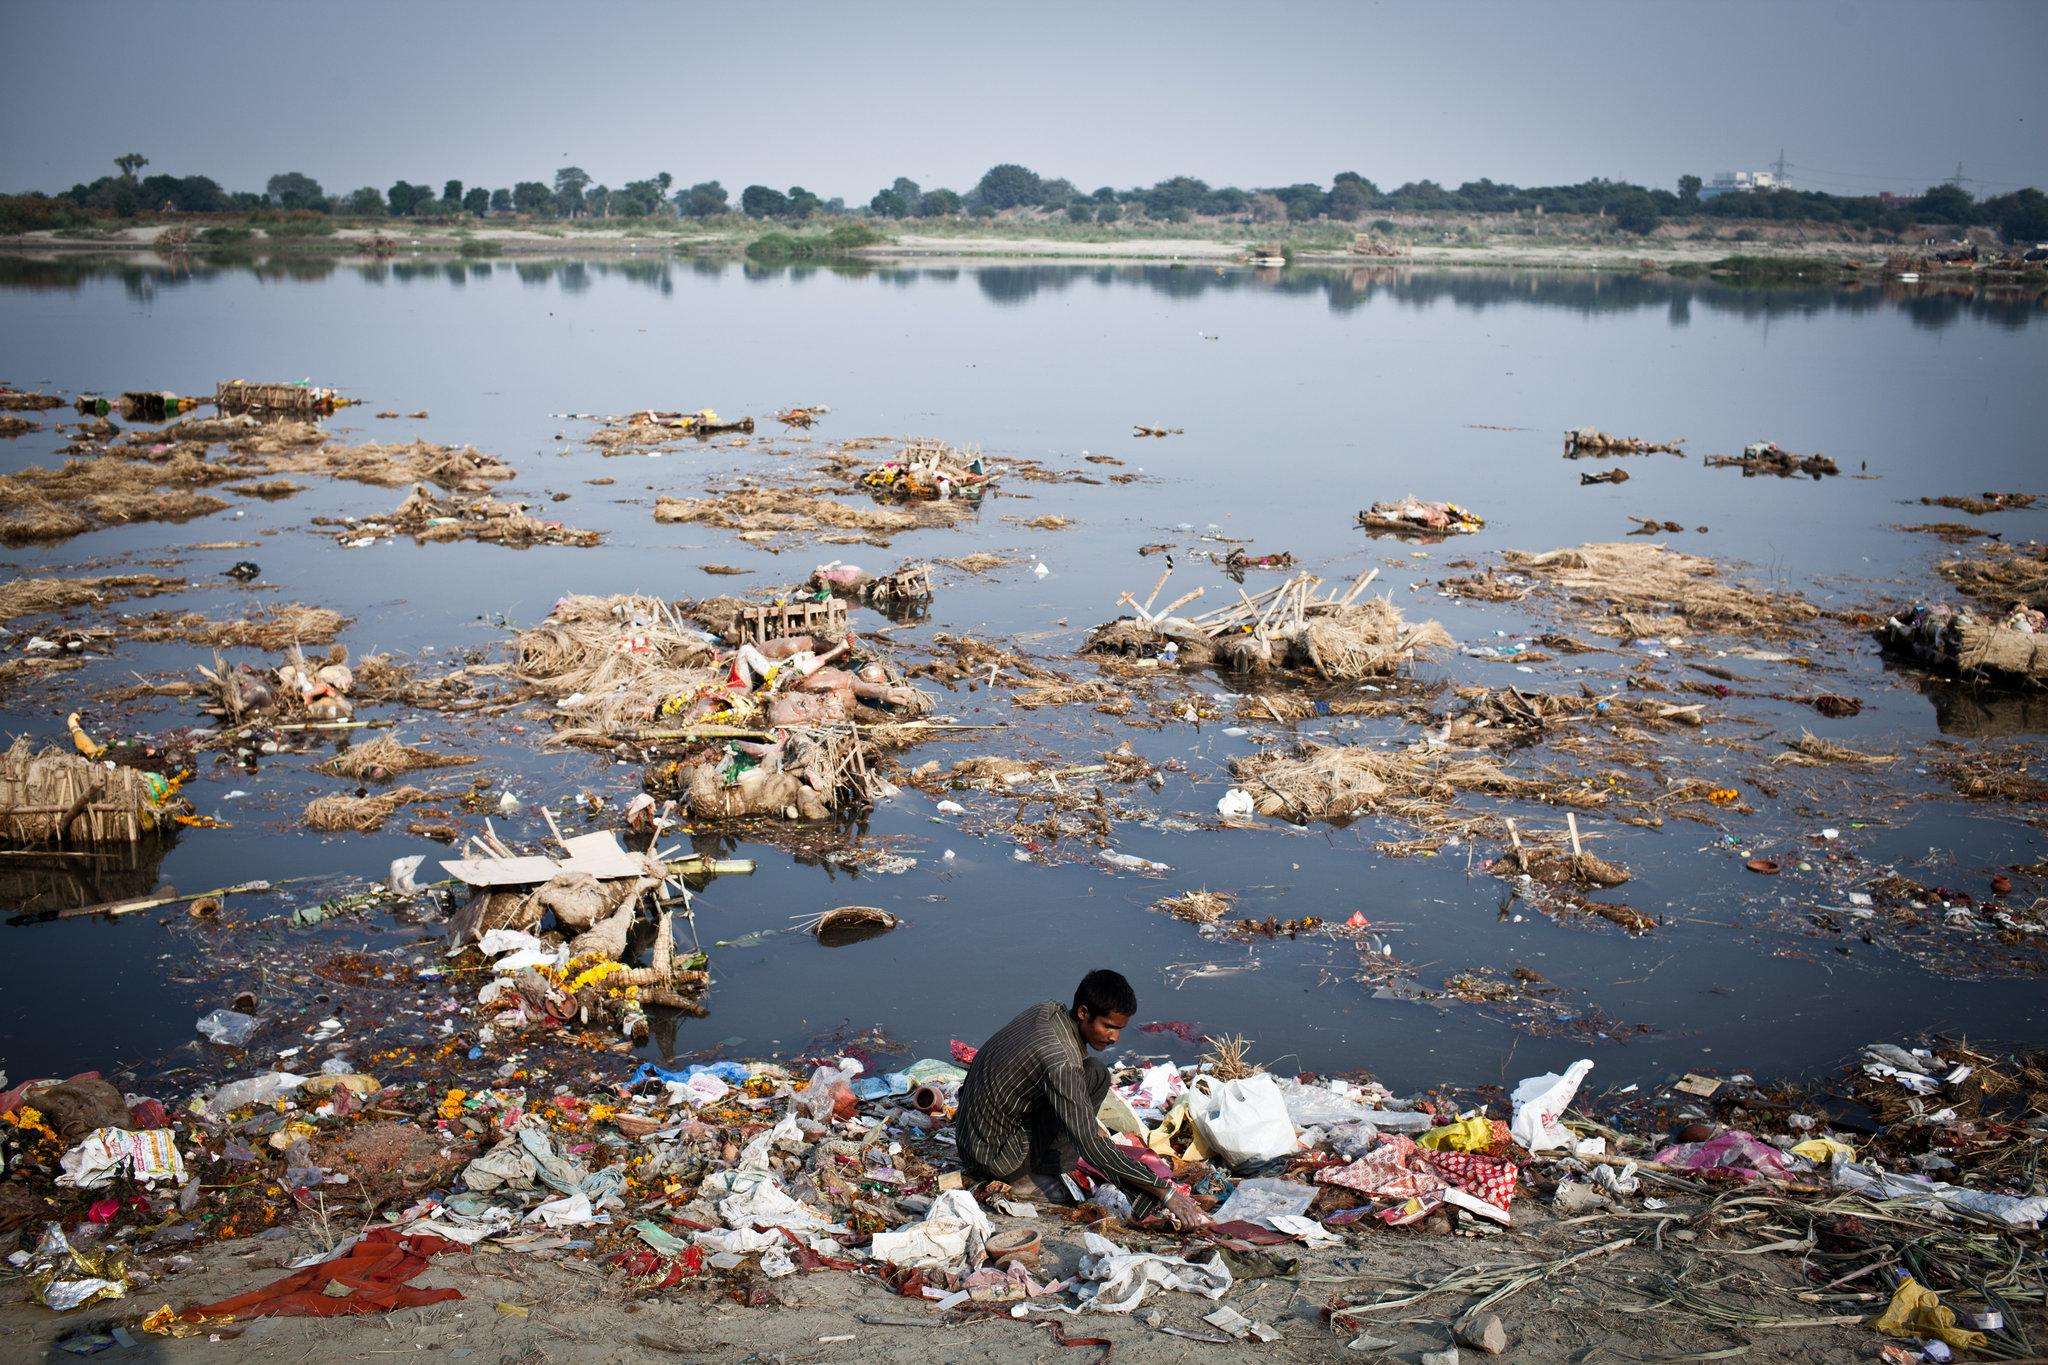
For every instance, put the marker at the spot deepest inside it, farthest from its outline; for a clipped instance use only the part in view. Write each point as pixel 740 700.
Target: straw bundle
pixel 787 510
pixel 1811 751
pixel 387 756
pixel 1196 907
pixel 361 814
pixel 1334 782
pixel 276 628
pixel 35 596
pixel 1626 577
pixel 624 655
pixel 2002 575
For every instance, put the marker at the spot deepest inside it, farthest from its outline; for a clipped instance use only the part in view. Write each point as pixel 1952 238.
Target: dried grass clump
pixel 1368 639
pixel 1196 907
pixel 1510 715
pixel 388 756
pixel 459 469
pixel 360 814
pixel 200 429
pixel 275 628
pixel 1647 589
pixel 275 438
pixel 1811 751
pixel 991 771
pixel 980 561
pixel 623 656
pixel 1336 782
pixel 771 510
pixel 2008 774
pixel 41 504
pixel 1485 587
pixel 11 427
pixel 15 400
pixel 267 488
pixel 34 596
pixel 2002 574
pixel 1284 707
pixel 428 519
pixel 31 520
pixel 1229 1057
pixel 1985 504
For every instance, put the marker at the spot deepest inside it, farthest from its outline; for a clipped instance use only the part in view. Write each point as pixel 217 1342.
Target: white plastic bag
pixel 1241 1121
pixel 1540 1100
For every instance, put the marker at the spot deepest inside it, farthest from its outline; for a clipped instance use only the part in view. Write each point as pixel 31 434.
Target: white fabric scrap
pixel 736 1241
pixel 952 1237
pixel 1304 1229
pixel 1120 1279
pixel 570 1211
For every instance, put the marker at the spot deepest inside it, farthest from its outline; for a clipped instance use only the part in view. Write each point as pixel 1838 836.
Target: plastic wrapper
pixel 230 1028
pixel 1262 1200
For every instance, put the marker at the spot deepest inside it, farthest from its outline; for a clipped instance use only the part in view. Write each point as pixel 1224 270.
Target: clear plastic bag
pixel 231 1028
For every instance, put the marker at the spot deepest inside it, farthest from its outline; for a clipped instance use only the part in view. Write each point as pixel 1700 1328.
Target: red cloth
pixel 1401 1169
pixel 379 1269
pixel 1484 1177
pixel 963 1054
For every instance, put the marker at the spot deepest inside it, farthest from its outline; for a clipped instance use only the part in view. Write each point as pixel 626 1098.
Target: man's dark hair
pixel 1102 992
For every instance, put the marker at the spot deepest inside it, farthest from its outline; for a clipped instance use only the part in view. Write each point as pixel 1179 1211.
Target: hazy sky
pixel 840 97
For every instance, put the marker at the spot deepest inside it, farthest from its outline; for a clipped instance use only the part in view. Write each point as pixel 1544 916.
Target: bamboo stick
pixel 1153 596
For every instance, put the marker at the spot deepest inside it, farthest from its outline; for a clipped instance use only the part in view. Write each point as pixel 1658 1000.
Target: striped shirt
pixel 1035 1060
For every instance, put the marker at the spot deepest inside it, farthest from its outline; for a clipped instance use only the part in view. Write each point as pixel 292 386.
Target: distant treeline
pixel 2021 215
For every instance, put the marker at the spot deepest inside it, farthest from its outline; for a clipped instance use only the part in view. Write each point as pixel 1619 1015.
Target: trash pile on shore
pixel 719 1179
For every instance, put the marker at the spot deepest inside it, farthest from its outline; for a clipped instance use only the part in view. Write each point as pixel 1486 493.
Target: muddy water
pixel 1303 397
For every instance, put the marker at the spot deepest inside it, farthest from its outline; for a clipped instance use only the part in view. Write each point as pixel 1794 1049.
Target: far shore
pixel 1564 251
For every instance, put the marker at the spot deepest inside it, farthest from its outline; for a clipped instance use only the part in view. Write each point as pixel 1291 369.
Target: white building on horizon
pixel 1731 182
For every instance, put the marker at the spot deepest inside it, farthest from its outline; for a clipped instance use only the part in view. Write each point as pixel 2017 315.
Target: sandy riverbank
pixel 1560 253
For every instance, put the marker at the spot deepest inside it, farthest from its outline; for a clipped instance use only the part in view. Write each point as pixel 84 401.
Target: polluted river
pixel 1823 843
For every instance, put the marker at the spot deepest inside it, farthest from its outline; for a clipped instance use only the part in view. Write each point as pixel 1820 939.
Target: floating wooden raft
pixel 55 797
pixel 240 395
pixel 758 625
pixel 911 583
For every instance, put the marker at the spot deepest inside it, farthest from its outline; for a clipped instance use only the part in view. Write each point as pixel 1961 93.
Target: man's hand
pixel 1183 1212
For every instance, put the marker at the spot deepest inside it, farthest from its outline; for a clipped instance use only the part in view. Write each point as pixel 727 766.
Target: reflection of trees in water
pixel 1340 289
pixel 1587 292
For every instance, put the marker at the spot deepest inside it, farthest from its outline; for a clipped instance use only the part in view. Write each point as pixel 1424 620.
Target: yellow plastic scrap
pixel 1917 1311
pixel 1176 1135
pixel 85 743
pixel 1474 1134
pixel 1823 1150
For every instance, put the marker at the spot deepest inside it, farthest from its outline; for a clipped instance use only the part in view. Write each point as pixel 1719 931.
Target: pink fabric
pixel 1741 1155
